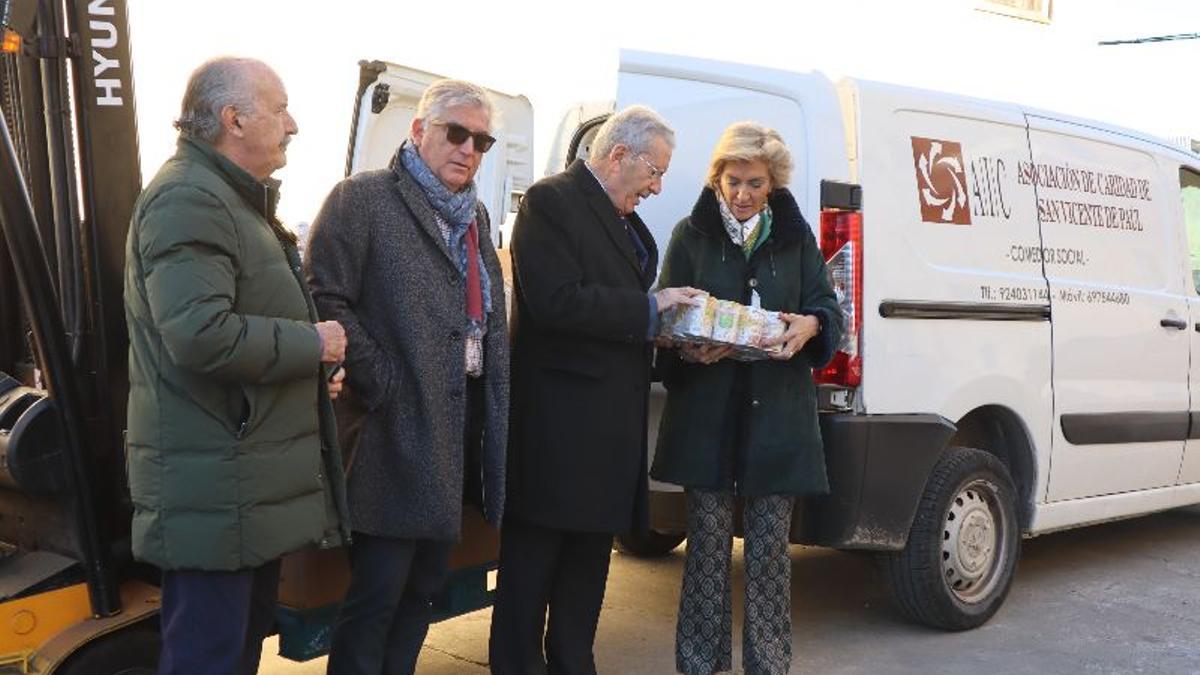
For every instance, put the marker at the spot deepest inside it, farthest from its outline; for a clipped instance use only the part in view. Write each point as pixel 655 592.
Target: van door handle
pixel 1179 324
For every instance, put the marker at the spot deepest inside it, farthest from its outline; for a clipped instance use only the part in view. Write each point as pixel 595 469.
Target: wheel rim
pixel 973 543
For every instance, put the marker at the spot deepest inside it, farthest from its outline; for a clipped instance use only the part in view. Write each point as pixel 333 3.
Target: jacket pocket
pixel 244 422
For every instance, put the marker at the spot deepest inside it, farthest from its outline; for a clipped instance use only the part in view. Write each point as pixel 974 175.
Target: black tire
pixel 653 544
pixel 963 546
pixel 129 651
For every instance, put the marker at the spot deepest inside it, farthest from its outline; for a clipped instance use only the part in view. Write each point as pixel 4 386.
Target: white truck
pixel 1023 346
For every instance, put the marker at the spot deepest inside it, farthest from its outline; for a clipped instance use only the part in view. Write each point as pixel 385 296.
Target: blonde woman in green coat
pixel 738 429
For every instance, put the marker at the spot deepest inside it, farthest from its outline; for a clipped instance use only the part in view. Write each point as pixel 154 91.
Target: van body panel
pixel 943 223
pixel 386 108
pixel 700 98
pixel 1072 513
pixel 1105 200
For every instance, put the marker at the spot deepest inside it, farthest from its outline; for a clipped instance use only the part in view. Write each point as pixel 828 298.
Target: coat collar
pixel 261 196
pixel 787 223
pixel 413 196
pixel 606 213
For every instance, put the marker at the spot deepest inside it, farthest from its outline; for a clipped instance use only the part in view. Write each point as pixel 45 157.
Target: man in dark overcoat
pixel 403 258
pixel 583 325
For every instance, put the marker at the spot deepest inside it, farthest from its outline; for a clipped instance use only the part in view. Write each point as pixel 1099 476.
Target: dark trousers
pixel 385 616
pixel 213 623
pixel 544 569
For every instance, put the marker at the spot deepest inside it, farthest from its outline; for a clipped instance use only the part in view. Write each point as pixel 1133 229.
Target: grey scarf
pixel 456 208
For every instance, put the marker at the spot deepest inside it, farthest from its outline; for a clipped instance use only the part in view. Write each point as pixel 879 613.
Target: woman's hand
pixel 800 329
pixel 704 354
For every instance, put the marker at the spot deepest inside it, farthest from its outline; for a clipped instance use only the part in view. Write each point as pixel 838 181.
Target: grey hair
pixel 445 94
pixel 217 83
pixel 634 127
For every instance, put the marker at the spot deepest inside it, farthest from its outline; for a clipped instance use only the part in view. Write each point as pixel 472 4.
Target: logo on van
pixel 941 181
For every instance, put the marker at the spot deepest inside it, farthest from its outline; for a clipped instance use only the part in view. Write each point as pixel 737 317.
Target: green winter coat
pixel 779 449
pixel 232 455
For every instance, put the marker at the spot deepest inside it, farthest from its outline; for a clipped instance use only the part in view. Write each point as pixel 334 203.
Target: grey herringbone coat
pixel 377 262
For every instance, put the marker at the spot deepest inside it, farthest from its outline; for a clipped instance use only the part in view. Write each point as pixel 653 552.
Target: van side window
pixel 1189 191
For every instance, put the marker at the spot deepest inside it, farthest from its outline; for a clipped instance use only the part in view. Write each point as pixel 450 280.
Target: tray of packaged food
pixel 724 322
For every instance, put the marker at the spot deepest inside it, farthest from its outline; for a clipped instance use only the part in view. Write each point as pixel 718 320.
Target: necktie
pixel 639 248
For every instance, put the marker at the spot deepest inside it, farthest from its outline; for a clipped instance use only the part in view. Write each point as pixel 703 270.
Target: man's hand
pixel 704 354
pixel 800 328
pixel 337 382
pixel 333 341
pixel 683 295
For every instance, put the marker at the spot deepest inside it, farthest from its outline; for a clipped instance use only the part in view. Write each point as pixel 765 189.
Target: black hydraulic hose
pixel 61 152
pixel 37 293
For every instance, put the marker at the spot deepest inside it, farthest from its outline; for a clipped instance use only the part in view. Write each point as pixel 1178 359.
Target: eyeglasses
pixel 458 134
pixel 655 172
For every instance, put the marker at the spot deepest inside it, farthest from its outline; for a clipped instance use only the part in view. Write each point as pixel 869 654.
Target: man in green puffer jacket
pixel 232 454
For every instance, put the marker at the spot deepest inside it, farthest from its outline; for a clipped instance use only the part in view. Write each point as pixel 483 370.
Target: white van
pixel 1022 304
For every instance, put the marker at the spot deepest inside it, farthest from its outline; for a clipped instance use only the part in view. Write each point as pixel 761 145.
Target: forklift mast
pixel 69 176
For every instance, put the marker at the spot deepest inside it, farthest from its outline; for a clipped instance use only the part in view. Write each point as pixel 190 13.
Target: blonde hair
pixel 747 142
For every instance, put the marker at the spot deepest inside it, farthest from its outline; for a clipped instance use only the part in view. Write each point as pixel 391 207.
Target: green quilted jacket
pixel 231 449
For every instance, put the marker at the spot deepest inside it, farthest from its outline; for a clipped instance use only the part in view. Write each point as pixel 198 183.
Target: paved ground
pixel 1117 598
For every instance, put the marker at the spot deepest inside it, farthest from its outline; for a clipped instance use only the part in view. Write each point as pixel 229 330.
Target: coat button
pixel 320 476
pixel 756 403
pixel 753 282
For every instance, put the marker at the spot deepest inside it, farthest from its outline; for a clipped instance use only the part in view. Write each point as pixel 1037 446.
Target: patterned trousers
pixel 704 634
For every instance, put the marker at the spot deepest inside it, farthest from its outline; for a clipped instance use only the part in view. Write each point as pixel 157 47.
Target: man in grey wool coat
pixel 403 258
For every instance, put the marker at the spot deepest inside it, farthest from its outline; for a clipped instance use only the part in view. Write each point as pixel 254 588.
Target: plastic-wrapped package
pixel 713 321
pixel 691 323
pixel 725 323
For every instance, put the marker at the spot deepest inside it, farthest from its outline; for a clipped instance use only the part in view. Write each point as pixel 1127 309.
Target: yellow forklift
pixel 72 599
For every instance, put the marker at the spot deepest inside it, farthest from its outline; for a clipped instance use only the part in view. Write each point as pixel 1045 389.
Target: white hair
pixel 634 127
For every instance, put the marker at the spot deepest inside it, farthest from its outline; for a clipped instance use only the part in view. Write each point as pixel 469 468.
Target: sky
pixel 558 53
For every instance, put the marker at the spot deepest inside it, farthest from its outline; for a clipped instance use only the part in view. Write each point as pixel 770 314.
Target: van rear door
pixel 1120 318
pixel 387 102
pixel 699 98
pixel 1189 205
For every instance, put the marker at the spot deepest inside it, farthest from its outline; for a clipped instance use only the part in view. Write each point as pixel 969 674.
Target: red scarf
pixel 474 289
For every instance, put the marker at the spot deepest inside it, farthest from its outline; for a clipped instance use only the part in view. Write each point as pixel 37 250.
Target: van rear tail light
pixel 841 243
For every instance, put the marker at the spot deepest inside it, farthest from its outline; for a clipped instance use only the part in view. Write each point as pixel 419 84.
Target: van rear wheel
pixel 652 544
pixel 963 546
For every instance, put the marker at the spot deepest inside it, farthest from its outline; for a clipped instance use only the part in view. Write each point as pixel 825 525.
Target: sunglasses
pixel 458 134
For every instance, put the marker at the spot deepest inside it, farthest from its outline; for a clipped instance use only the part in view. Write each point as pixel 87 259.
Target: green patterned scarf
pixel 750 234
